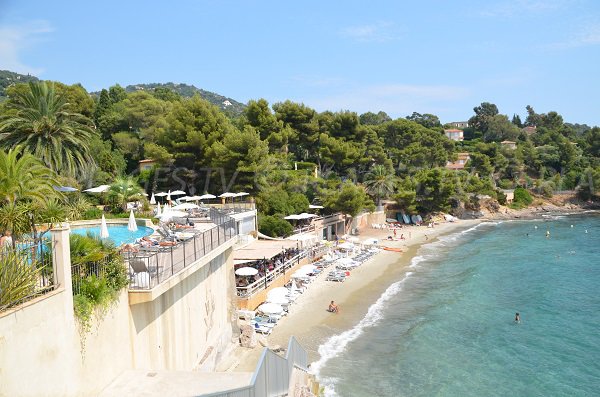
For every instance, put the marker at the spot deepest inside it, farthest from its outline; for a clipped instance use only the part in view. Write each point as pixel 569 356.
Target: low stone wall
pixel 365 220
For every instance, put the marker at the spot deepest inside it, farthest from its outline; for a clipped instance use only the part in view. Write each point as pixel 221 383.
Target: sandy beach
pixel 308 319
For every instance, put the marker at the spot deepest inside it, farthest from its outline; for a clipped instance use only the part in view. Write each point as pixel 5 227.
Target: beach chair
pixel 140 275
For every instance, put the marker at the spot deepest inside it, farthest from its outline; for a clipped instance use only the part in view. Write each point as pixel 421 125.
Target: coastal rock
pixel 248 337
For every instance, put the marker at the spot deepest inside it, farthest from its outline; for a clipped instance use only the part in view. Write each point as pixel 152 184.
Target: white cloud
pixel 395 99
pixel 588 36
pixel 524 7
pixel 377 32
pixel 15 39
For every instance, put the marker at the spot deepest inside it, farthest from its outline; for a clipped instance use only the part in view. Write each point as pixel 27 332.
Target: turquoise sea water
pixel 447 328
pixel 117 233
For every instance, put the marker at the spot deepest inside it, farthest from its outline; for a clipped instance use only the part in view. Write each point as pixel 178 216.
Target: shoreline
pixel 310 322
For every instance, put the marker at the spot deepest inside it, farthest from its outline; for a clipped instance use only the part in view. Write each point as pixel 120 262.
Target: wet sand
pixel 308 319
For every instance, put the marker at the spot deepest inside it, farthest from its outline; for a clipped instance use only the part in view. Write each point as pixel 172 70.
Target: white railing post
pixel 61 257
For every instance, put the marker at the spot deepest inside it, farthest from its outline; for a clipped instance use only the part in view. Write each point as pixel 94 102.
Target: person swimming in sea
pixel 517 318
pixel 547 233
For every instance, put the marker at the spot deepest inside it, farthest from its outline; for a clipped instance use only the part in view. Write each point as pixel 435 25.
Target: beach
pixel 308 319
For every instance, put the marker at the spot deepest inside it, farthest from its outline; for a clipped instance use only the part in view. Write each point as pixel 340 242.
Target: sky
pixel 440 57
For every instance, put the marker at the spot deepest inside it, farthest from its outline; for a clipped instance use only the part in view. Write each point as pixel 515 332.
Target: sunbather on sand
pixel 333 308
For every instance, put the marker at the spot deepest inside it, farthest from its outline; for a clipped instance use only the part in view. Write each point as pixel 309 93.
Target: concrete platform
pixel 174 383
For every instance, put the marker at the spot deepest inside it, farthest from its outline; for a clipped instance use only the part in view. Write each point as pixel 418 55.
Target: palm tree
pixel 123 190
pixel 22 176
pixel 38 119
pixel 379 182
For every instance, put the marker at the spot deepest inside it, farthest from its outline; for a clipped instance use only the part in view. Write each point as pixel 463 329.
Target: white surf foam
pixel 336 344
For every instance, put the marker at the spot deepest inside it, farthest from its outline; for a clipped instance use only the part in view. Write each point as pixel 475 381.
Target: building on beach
pixel 454 134
pixel 459 124
pixel 510 195
pixel 459 163
pixel 147 164
pixel 509 144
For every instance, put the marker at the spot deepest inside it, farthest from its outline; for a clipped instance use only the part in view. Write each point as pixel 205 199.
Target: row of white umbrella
pixel 303 215
pixel 131 225
pixel 207 196
pixel 277 298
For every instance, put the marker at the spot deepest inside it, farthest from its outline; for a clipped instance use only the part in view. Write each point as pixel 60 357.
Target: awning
pixel 262 249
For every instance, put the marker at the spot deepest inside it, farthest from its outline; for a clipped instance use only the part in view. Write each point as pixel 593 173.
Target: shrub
pixel 18 278
pixel 522 198
pixel 92 213
pixel 274 226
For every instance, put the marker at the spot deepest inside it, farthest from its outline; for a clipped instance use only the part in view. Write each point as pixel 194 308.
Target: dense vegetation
pixel 289 155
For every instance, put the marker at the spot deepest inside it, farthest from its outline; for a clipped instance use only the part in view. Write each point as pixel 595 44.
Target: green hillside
pixel 8 78
pixel 226 104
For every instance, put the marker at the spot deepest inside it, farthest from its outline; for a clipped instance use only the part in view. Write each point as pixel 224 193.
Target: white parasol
pixel 167 215
pixel 279 291
pixel 152 199
pixel 103 228
pixel 178 193
pixel 99 189
pixel 161 194
pixel 246 271
pixel 132 225
pixel 207 197
pixel 292 217
pixel 278 300
pixel 185 206
pixel 158 211
pixel 270 308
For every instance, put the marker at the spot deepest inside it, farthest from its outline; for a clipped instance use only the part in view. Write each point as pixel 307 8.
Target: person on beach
pixel 517 318
pixel 394 233
pixel 333 308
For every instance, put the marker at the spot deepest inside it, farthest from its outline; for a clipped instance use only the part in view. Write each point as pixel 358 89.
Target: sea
pixel 447 326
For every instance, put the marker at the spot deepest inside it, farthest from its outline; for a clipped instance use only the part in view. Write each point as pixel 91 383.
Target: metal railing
pixel 82 271
pixel 272 374
pixel 26 272
pixel 264 282
pixel 150 266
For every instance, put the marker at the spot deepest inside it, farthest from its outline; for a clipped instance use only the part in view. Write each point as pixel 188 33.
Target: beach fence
pixel 272 374
pixel 26 272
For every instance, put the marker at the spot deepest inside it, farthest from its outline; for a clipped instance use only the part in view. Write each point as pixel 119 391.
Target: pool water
pixel 117 233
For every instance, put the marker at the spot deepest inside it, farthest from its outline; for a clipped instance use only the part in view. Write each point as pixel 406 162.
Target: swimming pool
pixel 117 233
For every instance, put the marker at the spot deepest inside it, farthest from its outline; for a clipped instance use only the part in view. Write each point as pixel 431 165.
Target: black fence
pixel 148 267
pixel 26 272
pixel 82 272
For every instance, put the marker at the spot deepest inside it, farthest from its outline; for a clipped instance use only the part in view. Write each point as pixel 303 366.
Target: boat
pixel 406 219
pixel 392 249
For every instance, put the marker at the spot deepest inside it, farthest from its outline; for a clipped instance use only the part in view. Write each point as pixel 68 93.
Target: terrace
pixel 149 267
pixel 275 263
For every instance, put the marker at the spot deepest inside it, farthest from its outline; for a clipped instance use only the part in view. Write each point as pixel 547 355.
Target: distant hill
pixel 8 78
pixel 226 104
